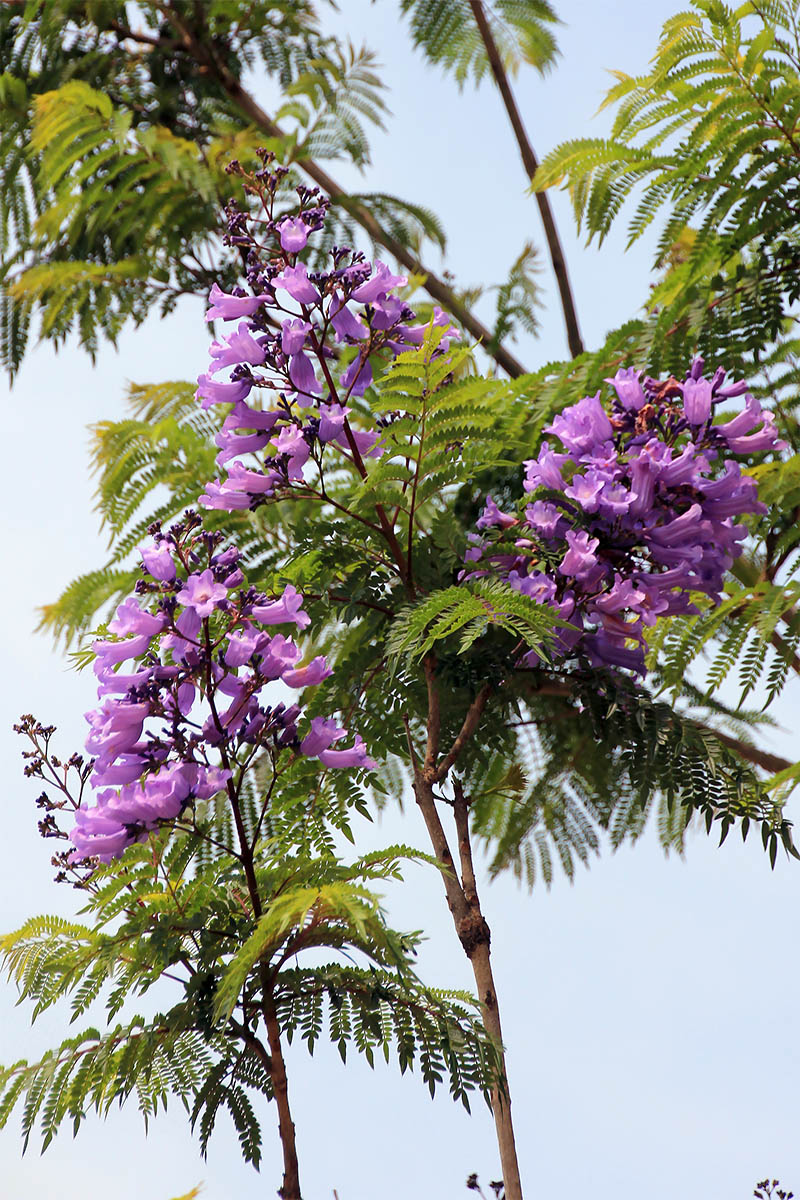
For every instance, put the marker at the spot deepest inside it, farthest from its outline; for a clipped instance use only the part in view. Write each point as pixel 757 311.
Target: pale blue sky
pixel 650 1009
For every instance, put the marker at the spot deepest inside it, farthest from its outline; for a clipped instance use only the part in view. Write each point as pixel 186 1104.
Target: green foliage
pixel 148 1059
pixel 329 101
pixel 469 610
pixel 705 138
pixel 112 160
pixel 178 912
pixel 756 631
pixel 126 214
pixel 446 33
pixel 450 436
pixel 593 765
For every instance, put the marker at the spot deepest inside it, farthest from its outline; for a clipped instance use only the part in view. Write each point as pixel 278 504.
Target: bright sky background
pixel 650 1009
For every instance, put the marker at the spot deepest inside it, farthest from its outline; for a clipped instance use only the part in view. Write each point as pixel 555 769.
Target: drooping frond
pixel 112 160
pixel 446 33
pixel 705 141
pixel 590 769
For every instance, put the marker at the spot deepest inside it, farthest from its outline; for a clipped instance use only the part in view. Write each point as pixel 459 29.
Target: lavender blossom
pixel 182 726
pixel 648 516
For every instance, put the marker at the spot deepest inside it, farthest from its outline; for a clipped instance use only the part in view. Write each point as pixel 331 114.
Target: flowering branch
pixel 207 57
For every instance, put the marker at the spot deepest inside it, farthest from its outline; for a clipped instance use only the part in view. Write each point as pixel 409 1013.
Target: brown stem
pixel 474 935
pixel 751 754
pixel 434 716
pixel 471 722
pixel 250 108
pixel 531 163
pixel 290 1189
pixel 760 758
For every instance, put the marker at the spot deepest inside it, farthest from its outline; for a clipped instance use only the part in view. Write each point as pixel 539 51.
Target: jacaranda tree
pixel 505 578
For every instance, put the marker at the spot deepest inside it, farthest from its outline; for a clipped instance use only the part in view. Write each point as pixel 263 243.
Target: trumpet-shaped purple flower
pixel 293 233
pixel 197 696
pixel 158 561
pixel 202 593
pixel 650 496
pixel 227 307
pixel 211 391
pixel 287 610
pixel 308 676
pixel 238 347
pixel 295 281
pixel 130 618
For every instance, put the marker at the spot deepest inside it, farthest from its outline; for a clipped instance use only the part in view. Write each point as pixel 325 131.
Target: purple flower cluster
pixel 292 329
pixel 184 721
pixel 636 513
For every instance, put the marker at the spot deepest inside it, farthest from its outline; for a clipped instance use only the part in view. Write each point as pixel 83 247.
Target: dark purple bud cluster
pixel 185 721
pixel 294 326
pixel 634 516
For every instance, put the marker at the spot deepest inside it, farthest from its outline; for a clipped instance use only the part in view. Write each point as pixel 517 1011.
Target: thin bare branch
pixel 531 163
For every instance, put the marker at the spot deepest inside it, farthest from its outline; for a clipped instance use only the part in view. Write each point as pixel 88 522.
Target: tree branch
pixel 251 109
pixel 752 754
pixel 531 164
pixel 471 720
